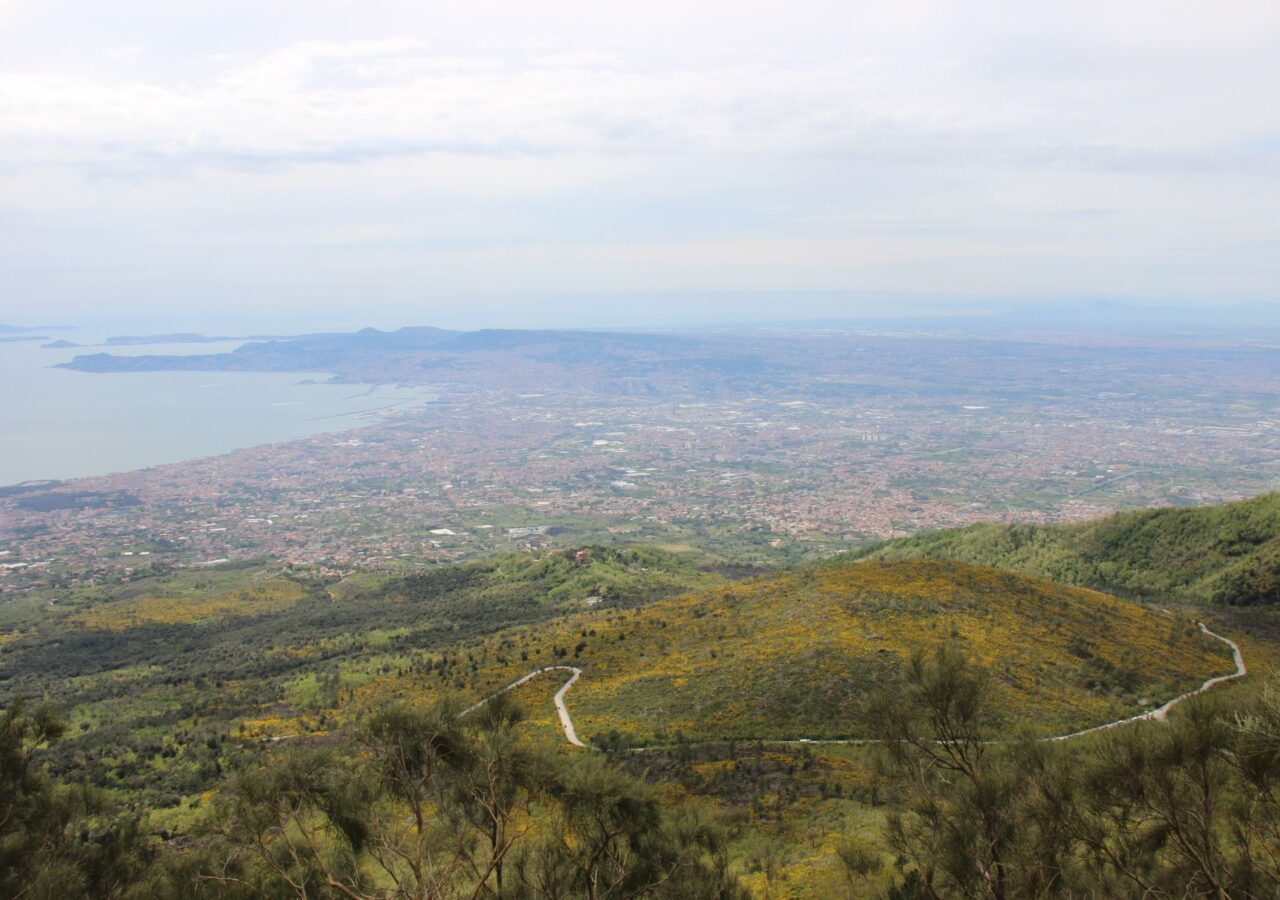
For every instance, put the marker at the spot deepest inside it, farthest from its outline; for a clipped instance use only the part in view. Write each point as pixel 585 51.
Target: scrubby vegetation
pixel 170 682
pixel 1184 809
pixel 412 803
pixel 415 801
pixel 60 840
pixel 1227 554
pixel 799 654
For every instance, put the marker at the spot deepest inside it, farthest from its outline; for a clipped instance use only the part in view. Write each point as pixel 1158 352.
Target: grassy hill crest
pixel 1224 554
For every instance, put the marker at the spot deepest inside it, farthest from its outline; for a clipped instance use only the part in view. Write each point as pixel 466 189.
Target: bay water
pixel 61 424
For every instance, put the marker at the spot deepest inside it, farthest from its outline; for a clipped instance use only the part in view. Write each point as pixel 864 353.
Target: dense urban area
pixel 544 439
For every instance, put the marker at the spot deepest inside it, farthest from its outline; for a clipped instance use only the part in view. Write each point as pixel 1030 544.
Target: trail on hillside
pixel 1162 713
pixel 565 722
pixel 1156 715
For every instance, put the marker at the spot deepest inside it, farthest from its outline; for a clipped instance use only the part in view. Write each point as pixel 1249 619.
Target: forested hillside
pixel 1227 554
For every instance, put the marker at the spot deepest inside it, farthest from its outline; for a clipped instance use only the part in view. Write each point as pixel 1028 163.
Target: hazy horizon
pixel 490 164
pixel 665 311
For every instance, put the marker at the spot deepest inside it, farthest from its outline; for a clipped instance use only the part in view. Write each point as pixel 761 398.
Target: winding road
pixel 1160 714
pixel 565 722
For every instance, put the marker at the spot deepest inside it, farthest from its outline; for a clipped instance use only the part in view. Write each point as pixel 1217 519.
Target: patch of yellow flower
pixel 747 659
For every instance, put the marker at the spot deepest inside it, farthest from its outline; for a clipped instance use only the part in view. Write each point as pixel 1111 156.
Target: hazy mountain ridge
pixel 495 357
pixel 853 360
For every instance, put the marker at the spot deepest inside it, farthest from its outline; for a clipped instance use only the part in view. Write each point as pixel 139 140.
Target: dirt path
pixel 1162 714
pixel 561 710
pixel 565 722
pixel 1155 715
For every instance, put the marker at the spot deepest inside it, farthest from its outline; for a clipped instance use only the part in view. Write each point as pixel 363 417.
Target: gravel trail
pixel 1156 715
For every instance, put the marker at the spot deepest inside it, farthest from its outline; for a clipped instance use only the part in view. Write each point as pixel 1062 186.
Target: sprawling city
pixel 844 437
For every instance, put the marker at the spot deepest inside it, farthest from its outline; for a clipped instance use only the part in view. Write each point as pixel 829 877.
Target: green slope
pixel 798 654
pixel 1227 554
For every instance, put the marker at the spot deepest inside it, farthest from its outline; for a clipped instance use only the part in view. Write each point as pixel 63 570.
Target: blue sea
pixel 60 424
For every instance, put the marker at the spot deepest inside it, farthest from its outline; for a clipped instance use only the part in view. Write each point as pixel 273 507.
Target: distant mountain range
pixel 1098 318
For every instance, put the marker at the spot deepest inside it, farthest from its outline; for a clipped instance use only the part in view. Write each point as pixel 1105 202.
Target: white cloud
pixel 489 145
pixel 1146 80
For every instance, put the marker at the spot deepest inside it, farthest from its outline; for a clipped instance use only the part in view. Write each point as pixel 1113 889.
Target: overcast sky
pixel 481 163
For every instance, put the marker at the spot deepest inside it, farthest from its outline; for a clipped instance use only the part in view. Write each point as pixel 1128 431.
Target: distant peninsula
pixel 628 362
pixel 313 352
pixel 139 340
pixel 133 340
